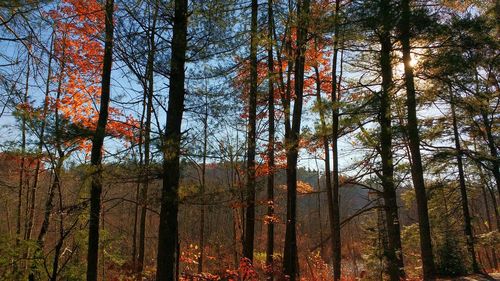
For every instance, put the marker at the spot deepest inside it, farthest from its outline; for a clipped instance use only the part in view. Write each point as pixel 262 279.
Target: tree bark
pixel 417 170
pixel 394 252
pixel 168 228
pixel 147 139
pixel 251 138
pixel 326 148
pixel 23 157
pixel 270 148
pixel 202 189
pixel 290 256
pixel 139 185
pixel 463 189
pixel 97 144
pixel 336 239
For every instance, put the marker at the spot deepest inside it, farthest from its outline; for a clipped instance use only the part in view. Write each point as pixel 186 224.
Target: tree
pixel 417 171
pixel 168 236
pixel 455 71
pixel 463 189
pixel 337 243
pixel 251 139
pixel 271 145
pixel 292 138
pixel 97 144
pixel 394 251
pixel 147 136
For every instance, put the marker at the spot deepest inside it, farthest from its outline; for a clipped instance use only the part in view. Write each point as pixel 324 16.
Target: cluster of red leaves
pixel 78 46
pixel 263 169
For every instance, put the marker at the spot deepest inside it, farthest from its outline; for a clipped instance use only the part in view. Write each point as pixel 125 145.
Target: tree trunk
pixel 168 235
pixel 136 213
pixel 139 185
pixel 97 144
pixel 320 220
pixel 394 253
pixel 326 148
pixel 290 256
pixel 336 239
pixel 23 157
pixel 147 140
pixel 463 190
pixel 252 112
pixel 270 148
pixel 202 191
pixel 417 170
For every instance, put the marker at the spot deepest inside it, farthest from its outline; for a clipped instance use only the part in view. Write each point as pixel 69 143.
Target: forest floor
pixel 476 277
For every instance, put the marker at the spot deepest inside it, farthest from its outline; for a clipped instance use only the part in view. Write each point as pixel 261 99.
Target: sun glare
pixel 413 62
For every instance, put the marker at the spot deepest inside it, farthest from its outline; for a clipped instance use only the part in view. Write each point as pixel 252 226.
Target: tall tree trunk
pixel 320 220
pixel 22 174
pixel 97 144
pixel 417 170
pixel 270 148
pixel 463 189
pixel 382 233
pixel 337 246
pixel 326 148
pixel 22 168
pixel 139 185
pixel 290 256
pixel 394 253
pixel 202 189
pixel 252 112
pixel 147 139
pixel 136 216
pixel 168 233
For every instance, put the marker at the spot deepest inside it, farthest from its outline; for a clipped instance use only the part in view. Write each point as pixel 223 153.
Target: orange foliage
pixel 317 55
pixel 271 219
pixel 302 187
pixel 263 169
pixel 79 27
